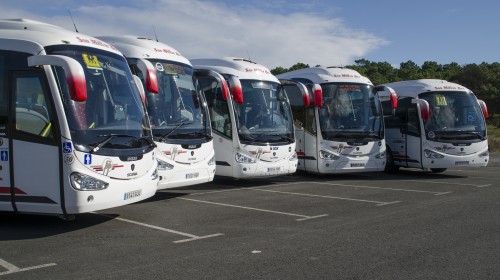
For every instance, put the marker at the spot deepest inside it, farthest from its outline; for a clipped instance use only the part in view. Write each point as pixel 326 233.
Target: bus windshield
pixel 265 115
pixel 454 116
pixel 351 112
pixel 112 120
pixel 179 109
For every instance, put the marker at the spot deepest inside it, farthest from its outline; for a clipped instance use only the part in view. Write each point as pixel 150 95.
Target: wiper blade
pixel 177 126
pixel 101 144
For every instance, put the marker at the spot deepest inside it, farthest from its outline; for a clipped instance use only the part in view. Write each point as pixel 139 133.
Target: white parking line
pixel 14 269
pixel 301 217
pixel 446 183
pixel 245 188
pixel 191 236
pixel 381 188
pixel 379 203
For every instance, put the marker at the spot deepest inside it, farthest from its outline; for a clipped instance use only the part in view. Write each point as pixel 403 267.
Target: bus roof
pixel 413 88
pixel 243 68
pixel 320 75
pixel 43 34
pixel 141 47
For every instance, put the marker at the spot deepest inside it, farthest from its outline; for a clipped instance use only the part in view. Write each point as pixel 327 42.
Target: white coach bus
pixel 253 127
pixel 177 109
pixel 74 136
pixel 437 125
pixel 343 130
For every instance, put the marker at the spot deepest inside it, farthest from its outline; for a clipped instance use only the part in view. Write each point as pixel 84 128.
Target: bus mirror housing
pixel 218 78
pixel 236 88
pixel 75 76
pixel 425 110
pixel 484 109
pixel 149 73
pixel 140 87
pixel 393 97
pixel 301 87
pixel 317 95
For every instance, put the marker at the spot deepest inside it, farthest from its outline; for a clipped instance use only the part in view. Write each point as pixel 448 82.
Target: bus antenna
pixel 73 21
pixel 155 33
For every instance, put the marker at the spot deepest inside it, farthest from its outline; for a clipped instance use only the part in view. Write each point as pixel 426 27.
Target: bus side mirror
pixel 318 95
pixel 425 109
pixel 217 77
pixel 149 74
pixel 140 87
pixel 75 76
pixel 391 95
pixel 301 87
pixel 484 109
pixel 236 88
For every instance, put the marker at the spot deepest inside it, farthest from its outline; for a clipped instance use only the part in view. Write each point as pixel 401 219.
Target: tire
pixel 438 170
pixel 390 167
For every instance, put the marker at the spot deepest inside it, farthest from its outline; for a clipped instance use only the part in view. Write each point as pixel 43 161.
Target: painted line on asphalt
pixel 245 188
pixel 301 217
pixel 192 237
pixel 382 188
pixel 446 183
pixel 14 269
pixel 379 203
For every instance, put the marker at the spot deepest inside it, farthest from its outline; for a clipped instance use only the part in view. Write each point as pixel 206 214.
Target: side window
pixel 413 123
pixel 297 105
pixel 33 114
pixel 399 119
pixel 218 107
pixel 4 97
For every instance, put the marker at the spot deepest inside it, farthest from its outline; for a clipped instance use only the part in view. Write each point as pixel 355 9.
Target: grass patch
pixel 493 139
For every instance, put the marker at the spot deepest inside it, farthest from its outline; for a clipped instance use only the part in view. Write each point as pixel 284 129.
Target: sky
pixel 283 32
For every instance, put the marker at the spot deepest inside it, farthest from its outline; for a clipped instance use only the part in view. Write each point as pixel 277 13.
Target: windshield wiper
pixel 373 135
pixel 99 145
pixel 472 133
pixel 177 126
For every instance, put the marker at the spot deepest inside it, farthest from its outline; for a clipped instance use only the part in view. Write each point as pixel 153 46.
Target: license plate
pixel 461 163
pixel 357 164
pixel 132 194
pixel 273 169
pixel 192 175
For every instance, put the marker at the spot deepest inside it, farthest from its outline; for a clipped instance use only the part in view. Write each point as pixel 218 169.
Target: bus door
pixel 216 92
pixel 300 100
pixel 35 156
pixel 411 130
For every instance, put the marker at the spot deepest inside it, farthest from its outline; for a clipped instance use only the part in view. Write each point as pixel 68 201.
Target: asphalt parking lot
pixel 410 225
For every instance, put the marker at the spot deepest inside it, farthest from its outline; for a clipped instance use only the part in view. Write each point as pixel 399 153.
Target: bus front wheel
pixel 390 167
pixel 438 170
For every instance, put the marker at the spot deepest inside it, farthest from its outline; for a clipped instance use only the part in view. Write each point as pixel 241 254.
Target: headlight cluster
pixel 244 159
pixel 484 154
pixel 328 155
pixel 154 176
pixel 431 154
pixel 82 182
pixel 293 157
pixel 212 161
pixel 162 165
pixel 381 155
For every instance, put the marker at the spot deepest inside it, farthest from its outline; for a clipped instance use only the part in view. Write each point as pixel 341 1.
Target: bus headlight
pixel 328 155
pixel 431 154
pixel 484 154
pixel 212 160
pixel 381 155
pixel 241 158
pixel 154 176
pixel 162 165
pixel 293 157
pixel 82 182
